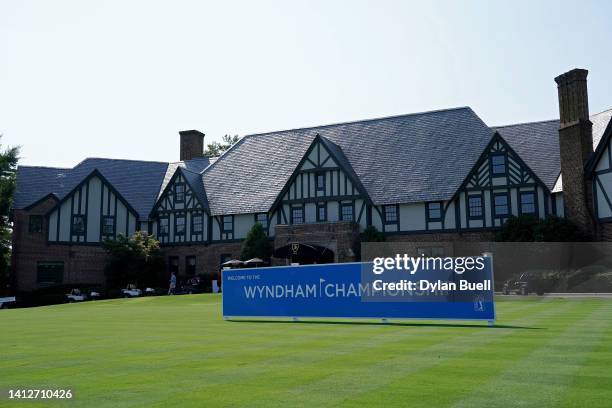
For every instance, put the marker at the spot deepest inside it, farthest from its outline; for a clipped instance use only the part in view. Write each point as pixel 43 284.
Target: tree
pixel 8 170
pixel 216 149
pixel 529 228
pixel 256 244
pixel 371 234
pixel 133 260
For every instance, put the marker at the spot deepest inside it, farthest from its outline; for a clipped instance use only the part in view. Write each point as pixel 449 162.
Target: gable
pixel 93 201
pixel 178 195
pixel 394 159
pixel 321 175
pixel 516 173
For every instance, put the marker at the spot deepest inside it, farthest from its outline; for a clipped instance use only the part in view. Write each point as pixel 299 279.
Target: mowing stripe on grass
pixel 167 352
pixel 398 372
pixel 539 379
pixel 322 382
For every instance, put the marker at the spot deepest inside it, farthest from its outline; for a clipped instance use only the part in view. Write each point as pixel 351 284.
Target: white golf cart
pixel 5 301
pixel 76 295
pixel 131 291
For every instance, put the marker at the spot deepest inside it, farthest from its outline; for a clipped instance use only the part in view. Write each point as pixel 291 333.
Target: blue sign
pixel 353 290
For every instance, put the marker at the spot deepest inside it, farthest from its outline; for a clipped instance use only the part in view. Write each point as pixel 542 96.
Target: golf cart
pixel 5 301
pixel 76 295
pixel 131 291
pixel 528 282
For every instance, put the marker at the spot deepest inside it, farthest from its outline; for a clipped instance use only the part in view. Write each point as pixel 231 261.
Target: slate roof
pixel 137 181
pixel 399 159
pixel 537 143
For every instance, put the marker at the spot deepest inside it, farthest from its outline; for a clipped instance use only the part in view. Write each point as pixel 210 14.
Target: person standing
pixel 172 284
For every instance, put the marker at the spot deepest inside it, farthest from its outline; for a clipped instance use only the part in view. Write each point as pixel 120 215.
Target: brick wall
pixel 191 144
pixel 82 264
pixel 605 231
pixel 208 257
pixel 575 191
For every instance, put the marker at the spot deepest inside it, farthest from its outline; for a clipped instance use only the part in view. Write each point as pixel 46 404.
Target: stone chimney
pixel 576 146
pixel 192 144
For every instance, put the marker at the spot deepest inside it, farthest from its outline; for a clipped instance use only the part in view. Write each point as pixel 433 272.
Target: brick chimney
pixel 192 144
pixel 576 146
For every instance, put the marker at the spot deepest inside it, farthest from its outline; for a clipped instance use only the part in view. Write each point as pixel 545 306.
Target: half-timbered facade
pixel 601 174
pixel 440 175
pixel 92 212
pixel 179 216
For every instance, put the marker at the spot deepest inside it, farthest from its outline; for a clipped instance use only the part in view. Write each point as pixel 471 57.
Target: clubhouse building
pixel 428 177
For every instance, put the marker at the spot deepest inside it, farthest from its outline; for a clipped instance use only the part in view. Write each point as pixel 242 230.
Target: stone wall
pixel 340 237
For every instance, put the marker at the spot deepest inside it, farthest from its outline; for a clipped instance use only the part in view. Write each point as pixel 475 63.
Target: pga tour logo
pixel 479 303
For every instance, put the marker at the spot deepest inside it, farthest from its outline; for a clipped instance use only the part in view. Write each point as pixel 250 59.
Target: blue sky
pixel 121 78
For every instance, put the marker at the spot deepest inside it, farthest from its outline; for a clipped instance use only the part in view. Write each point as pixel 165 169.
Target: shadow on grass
pixel 399 324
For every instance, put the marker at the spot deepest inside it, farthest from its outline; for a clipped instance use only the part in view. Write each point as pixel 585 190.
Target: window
pixel 163 226
pixel 228 223
pixel 346 212
pixel 108 225
pixel 50 273
pixel 320 182
pixel 390 212
pixel 528 202
pixel 498 164
pixel 190 265
pixel 179 223
pixel 197 224
pixel 179 192
pixel 434 211
pixel 35 225
pixel 78 225
pixel 321 212
pixel 475 206
pixel 297 215
pixel 262 219
pixel 173 264
pixel 500 204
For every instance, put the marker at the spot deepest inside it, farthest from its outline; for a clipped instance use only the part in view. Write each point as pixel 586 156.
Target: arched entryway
pixel 305 254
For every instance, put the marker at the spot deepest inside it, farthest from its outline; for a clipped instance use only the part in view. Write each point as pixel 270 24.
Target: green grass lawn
pixel 177 351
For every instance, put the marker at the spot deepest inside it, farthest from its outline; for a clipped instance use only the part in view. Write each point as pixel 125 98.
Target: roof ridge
pixel 359 121
pixel 544 121
pixel 603 111
pixel 525 123
pixel 128 160
pixel 44 167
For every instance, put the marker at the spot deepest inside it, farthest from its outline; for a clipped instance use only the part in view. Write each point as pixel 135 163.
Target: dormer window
pixel 108 225
pixel 320 183
pixel 179 192
pixel 197 224
pixel 78 225
pixel 434 211
pixel 498 164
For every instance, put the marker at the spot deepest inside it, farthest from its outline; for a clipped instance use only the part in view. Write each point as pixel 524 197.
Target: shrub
pixel 256 244
pixel 528 228
pixel 134 260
